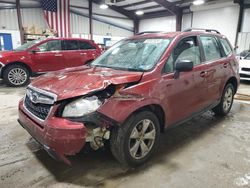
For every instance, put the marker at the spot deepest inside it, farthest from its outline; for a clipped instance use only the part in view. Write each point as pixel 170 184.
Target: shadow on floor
pixel 92 169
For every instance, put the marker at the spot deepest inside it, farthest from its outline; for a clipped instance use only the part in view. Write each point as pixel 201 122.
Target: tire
pixel 225 105
pixel 16 75
pixel 128 140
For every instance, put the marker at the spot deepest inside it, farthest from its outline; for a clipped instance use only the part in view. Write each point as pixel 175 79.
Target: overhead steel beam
pixel 96 18
pixel 167 5
pixel 148 8
pixel 156 15
pixel 124 12
pixel 136 4
pixel 120 10
pixel 80 7
pixel 7 2
pixel 131 15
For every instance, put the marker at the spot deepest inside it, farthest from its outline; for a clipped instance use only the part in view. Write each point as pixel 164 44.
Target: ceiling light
pixel 104 6
pixel 139 12
pixel 198 2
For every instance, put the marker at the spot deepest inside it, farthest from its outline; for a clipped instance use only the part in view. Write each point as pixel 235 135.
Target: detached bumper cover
pixel 58 136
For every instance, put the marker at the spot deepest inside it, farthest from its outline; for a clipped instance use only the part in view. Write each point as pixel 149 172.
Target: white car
pixel 244 65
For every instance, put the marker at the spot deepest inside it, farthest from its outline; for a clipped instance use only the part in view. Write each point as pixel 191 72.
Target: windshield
pixel 134 54
pixel 27 45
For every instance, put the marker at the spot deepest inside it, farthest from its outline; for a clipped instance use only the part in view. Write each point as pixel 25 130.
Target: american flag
pixel 57 15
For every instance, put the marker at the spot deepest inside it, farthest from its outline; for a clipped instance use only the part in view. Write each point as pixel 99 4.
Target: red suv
pixel 131 93
pixel 40 56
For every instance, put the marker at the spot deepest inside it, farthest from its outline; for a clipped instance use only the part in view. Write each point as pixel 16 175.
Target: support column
pixel 19 18
pixel 179 19
pixel 90 19
pixel 241 3
pixel 136 25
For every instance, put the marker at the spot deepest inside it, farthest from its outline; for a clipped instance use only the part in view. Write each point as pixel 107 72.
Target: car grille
pixel 245 69
pixel 39 110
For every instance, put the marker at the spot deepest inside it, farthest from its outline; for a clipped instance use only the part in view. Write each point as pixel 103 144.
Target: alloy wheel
pixel 228 98
pixel 142 139
pixel 17 76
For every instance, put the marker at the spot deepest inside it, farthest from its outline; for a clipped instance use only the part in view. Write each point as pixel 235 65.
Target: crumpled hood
pixel 82 80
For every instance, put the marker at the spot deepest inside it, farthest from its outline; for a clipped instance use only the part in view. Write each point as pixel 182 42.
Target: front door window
pixel 53 45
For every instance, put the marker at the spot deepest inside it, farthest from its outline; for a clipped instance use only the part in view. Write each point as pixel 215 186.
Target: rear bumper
pixel 58 136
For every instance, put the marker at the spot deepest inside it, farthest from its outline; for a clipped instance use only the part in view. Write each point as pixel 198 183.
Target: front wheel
pixel 135 141
pixel 225 105
pixel 16 75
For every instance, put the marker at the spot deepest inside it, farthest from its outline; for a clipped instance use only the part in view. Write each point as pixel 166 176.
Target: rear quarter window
pixel 226 46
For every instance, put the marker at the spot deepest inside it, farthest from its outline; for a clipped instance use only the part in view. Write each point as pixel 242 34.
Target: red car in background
pixel 41 56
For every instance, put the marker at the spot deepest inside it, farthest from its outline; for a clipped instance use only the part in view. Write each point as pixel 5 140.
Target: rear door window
pixel 70 45
pixel 226 46
pixel 211 48
pixel 85 46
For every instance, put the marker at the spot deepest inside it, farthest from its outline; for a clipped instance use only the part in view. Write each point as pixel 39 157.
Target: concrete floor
pixel 206 152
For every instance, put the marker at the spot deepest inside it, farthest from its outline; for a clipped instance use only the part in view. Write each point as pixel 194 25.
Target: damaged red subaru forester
pixel 131 93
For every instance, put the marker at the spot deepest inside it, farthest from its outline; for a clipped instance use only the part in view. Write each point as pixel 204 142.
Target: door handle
pixel 225 65
pixel 58 55
pixel 203 74
pixel 83 53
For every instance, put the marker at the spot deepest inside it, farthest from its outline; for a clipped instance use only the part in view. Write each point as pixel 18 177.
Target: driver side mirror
pixel 183 66
pixel 34 50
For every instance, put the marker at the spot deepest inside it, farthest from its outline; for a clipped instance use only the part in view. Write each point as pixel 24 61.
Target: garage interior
pixel 207 151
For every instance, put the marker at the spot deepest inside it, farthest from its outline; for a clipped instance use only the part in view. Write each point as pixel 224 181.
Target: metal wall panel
pixel 246 20
pixel 167 23
pixel 100 28
pixel 30 16
pixel 79 24
pixel 33 16
pixel 224 19
pixel 8 19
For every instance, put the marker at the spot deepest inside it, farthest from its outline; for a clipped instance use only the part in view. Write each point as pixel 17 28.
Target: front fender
pixel 120 108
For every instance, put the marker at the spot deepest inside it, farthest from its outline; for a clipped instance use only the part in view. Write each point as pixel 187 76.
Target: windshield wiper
pixel 120 68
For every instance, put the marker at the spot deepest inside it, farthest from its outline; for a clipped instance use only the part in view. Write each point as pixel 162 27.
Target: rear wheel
pixel 16 75
pixel 225 105
pixel 135 141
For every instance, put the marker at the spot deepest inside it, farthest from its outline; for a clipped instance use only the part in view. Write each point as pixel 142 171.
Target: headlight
pixel 81 107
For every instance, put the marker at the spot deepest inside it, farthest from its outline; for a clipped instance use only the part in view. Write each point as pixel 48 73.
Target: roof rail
pixel 149 32
pixel 199 29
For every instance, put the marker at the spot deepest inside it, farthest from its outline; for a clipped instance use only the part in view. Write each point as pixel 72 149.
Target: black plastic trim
pixel 96 118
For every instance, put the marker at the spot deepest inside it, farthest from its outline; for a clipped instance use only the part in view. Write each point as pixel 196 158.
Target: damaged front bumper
pixel 58 136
